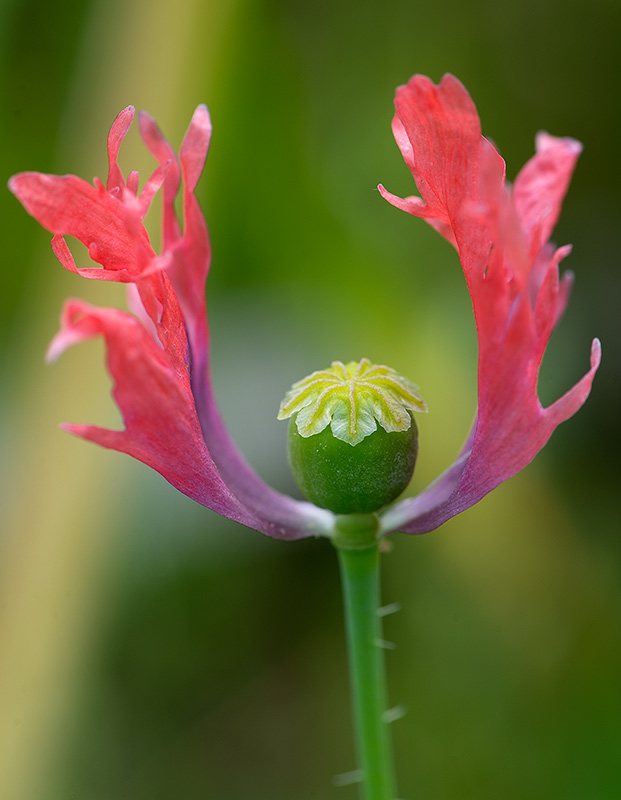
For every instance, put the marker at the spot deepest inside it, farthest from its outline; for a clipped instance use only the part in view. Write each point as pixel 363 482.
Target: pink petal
pixel 133 182
pixel 68 206
pixel 541 185
pixel 161 427
pixel 567 405
pixel 118 132
pixel 513 279
pixel 62 252
pixel 152 187
pixel 443 141
pixel 194 147
pixel 163 153
pixel 415 206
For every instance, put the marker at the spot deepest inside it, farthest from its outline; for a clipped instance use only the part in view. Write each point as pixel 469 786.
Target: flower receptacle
pixel 356 531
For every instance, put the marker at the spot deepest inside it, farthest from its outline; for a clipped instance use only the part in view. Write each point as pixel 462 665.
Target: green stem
pixel 360 578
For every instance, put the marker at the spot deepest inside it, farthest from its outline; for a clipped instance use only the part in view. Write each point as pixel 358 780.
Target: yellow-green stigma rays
pixel 352 398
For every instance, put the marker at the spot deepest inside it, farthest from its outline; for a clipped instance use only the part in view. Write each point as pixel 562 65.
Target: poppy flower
pixel 158 352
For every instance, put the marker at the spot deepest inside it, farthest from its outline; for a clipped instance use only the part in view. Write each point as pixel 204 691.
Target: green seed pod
pixel 355 479
pixel 340 457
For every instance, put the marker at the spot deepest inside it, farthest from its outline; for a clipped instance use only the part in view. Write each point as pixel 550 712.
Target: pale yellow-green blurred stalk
pixel 62 521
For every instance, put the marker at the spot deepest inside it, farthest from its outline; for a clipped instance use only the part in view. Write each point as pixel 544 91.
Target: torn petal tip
pixel 596 353
pixel 54 351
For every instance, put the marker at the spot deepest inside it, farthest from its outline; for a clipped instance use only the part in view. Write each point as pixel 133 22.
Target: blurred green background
pixel 151 650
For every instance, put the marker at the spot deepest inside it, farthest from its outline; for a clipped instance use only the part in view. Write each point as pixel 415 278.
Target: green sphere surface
pixel 358 479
